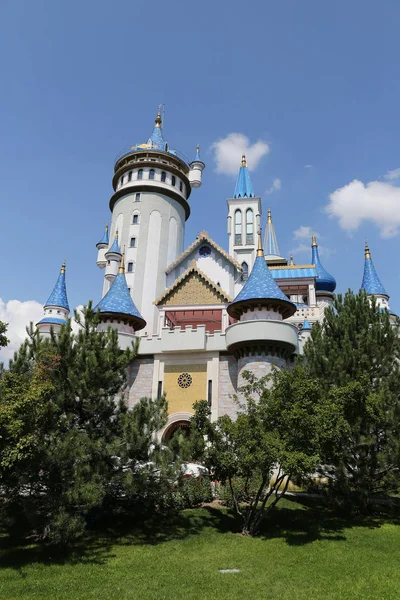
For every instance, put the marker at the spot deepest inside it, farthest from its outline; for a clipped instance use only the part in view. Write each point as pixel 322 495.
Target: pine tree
pixel 64 400
pixel 355 354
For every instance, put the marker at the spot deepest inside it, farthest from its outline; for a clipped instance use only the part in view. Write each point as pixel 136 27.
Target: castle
pixel 203 315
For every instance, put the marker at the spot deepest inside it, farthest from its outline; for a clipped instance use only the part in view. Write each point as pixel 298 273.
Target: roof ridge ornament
pixel 244 162
pixel 313 240
pixel 367 251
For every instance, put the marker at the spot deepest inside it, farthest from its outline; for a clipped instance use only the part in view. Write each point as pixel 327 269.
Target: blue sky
pixel 316 82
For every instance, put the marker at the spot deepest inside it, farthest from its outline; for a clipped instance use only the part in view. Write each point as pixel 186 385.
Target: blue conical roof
pixel 118 301
pixel 371 282
pixel 324 282
pixel 271 246
pixel 104 240
pixel 306 326
pixel 58 296
pixel 243 188
pixel 114 248
pixel 260 288
pixel 156 140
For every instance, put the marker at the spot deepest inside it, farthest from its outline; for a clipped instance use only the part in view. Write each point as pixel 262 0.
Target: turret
pixel 102 246
pixel 56 309
pixel 113 257
pixel 260 338
pixel 325 283
pixel 371 282
pixel 118 310
pixel 149 206
pixel 196 169
pixel 304 334
pixel 244 213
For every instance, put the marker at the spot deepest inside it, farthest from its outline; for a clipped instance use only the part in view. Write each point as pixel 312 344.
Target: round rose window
pixel 184 380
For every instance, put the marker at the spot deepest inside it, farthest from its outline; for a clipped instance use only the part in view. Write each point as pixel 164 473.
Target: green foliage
pixel 355 355
pixel 68 444
pixel 274 438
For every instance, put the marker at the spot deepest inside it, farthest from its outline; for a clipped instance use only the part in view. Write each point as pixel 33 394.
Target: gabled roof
pixel 202 237
pixel 193 271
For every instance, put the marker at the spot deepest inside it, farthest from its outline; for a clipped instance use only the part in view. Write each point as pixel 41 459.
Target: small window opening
pixel 163 175
pixel 135 220
pixel 173 180
pixel 130 267
pixel 140 174
pixel 137 197
pixel 133 242
pixel 151 174
pixel 130 176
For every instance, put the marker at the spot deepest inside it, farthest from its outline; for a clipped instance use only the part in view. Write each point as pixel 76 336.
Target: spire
pixel 104 240
pixel 118 302
pixel 325 282
pixel 260 289
pixel 58 296
pixel 270 241
pixel 121 268
pixel 306 326
pixel 260 251
pixel 156 140
pixel 291 261
pixel 243 188
pixel 371 282
pixel 114 249
pixel 198 153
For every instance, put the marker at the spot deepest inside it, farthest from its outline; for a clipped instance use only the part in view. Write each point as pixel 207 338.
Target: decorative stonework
pixel 185 380
pixel 192 287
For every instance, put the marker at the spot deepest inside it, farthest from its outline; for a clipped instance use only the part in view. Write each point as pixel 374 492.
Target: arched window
pixel 245 272
pixel 173 180
pixel 130 176
pixel 151 174
pixel 140 174
pixel 135 219
pixel 238 227
pixel 163 175
pixel 249 226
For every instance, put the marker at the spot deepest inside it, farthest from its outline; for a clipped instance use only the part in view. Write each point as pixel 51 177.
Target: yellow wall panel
pixel 182 399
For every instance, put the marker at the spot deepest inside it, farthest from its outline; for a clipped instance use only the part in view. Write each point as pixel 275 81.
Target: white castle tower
pixel 244 213
pixel 152 184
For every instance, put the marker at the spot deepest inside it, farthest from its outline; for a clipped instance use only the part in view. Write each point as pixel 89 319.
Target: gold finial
pixel 106 227
pixel 314 240
pixel 291 260
pixel 121 266
pixel 260 251
pixel 63 267
pixel 158 120
pixel 367 252
pixel 269 218
pixel 244 163
pixel 116 234
pixel 198 148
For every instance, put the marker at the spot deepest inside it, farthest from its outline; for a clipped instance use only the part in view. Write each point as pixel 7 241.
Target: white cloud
pixel 228 153
pixel 302 235
pixel 304 232
pixel 392 175
pixel 18 315
pixel 377 202
pixel 308 166
pixel 276 186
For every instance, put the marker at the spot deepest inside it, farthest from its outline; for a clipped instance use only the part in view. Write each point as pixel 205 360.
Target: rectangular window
pixel 238 239
pixel 133 242
pixel 209 394
pixel 137 197
pixel 135 219
pixel 249 239
pixel 130 267
pixel 159 389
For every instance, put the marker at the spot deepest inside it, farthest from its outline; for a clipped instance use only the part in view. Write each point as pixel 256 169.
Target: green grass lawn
pixel 306 553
